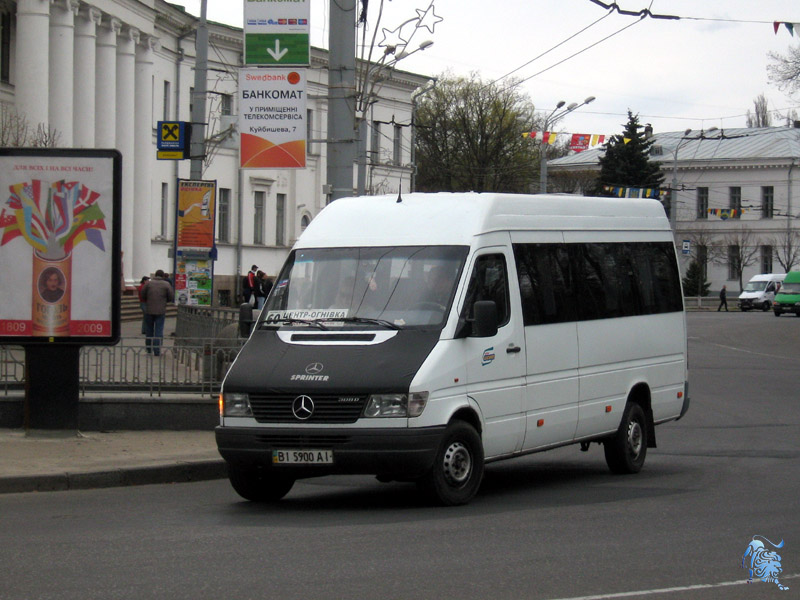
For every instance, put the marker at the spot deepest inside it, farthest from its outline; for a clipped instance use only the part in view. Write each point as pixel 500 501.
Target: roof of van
pixel 768 277
pixel 446 218
pixel 792 277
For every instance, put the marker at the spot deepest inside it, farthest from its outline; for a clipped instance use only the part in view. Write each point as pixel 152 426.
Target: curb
pixel 173 473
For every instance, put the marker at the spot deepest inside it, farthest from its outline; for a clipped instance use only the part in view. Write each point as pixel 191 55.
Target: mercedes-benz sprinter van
pixel 419 337
pixel 759 293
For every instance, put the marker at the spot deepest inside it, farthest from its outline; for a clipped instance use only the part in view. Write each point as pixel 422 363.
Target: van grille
pixel 302 440
pixel 327 409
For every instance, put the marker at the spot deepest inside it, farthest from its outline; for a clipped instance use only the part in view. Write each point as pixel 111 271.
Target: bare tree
pixel 786 248
pixel 469 137
pixel 740 251
pixel 15 131
pixel 761 116
pixel 784 71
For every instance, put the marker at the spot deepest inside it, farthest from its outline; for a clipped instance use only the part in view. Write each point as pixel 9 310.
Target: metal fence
pixel 195 360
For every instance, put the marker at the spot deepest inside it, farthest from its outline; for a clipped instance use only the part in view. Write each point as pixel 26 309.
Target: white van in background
pixel 418 338
pixel 760 291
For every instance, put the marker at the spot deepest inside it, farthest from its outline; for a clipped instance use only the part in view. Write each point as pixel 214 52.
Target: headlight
pixel 236 405
pixel 395 405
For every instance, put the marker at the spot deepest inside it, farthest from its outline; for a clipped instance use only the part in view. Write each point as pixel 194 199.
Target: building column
pixel 126 86
pixel 83 85
pixel 105 88
pixel 144 158
pixel 32 61
pixel 62 47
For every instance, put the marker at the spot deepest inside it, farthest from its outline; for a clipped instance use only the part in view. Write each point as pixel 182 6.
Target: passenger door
pixel 549 305
pixel 496 365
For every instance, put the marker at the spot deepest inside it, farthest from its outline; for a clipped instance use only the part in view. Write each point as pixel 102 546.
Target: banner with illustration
pixel 59 246
pixel 194 252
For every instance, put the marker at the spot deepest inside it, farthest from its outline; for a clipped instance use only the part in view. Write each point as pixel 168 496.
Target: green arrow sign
pixel 276 49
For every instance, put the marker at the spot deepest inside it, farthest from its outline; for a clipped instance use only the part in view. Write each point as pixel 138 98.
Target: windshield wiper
pixel 291 321
pixel 382 322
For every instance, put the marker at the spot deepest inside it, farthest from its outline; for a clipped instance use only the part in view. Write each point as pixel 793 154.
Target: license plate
pixel 302 457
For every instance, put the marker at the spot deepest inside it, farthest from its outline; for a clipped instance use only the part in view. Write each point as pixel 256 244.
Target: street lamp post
pixel 549 121
pixel 673 196
pixel 367 94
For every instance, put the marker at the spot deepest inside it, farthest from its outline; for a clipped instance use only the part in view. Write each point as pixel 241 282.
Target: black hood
pixel 268 365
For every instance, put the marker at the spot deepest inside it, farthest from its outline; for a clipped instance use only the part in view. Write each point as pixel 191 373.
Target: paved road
pixel 553 525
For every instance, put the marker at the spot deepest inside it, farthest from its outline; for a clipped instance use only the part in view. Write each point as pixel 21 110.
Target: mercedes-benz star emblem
pixel 303 407
pixel 314 368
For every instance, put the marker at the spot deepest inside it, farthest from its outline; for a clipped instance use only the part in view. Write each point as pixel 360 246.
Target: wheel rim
pixel 634 438
pixel 457 463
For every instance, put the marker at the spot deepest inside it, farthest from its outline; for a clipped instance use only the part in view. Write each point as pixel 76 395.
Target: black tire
pixel 259 485
pixel 457 471
pixel 626 450
pixel 767 306
pixel 777 314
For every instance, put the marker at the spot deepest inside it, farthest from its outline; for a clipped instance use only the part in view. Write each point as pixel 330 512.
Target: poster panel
pixel 196 207
pixel 60 246
pixel 272 118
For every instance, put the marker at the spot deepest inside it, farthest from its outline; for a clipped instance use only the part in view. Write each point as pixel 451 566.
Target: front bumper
pixel 395 454
pixel 786 308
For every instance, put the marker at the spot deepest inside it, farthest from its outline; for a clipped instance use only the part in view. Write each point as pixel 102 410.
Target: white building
pixel 738 196
pixel 101 74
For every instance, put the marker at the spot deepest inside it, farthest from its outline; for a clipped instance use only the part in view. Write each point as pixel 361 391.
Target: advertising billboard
pixel 60 238
pixel 272 118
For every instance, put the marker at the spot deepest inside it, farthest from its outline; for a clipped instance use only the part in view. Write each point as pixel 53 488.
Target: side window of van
pixel 489 281
pixel 546 283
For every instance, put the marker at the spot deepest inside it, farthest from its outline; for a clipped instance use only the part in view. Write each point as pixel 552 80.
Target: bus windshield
pixel 397 287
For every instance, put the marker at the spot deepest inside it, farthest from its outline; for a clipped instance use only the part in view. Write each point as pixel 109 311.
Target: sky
pixel 701 71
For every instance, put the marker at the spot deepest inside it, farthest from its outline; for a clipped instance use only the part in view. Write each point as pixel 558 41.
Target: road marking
pixel 672 590
pixel 735 349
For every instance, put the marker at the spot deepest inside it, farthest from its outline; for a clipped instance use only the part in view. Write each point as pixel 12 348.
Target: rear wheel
pixel 257 484
pixel 626 450
pixel 457 470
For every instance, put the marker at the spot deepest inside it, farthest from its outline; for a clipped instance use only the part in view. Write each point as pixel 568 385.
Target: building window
pixel 191 101
pixel 280 219
pixel 735 202
pixel 259 201
pixel 225 105
pixel 733 263
pixel 767 204
pixel 375 142
pixel 702 203
pixel 766 259
pixel 166 102
pixel 224 215
pixel 304 221
pixel 397 156
pixel 164 211
pixel 5 46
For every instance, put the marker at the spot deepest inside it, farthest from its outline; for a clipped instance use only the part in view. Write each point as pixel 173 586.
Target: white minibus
pixel 418 338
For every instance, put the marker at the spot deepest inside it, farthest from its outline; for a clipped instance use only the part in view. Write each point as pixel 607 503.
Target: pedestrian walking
pixel 142 303
pixel 723 298
pixel 156 293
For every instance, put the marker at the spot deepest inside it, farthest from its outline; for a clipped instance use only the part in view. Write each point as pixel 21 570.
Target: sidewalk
pixel 60 460
pixel 65 460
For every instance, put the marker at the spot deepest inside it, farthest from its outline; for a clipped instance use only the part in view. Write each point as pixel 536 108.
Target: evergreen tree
pixel 627 163
pixel 694 281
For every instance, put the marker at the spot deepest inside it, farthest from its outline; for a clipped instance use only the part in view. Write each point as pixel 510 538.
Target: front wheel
pixel 258 484
pixel 767 306
pixel 457 470
pixel 777 313
pixel 626 450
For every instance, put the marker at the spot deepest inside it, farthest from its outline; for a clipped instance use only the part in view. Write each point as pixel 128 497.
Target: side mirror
pixel 245 320
pixel 485 322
